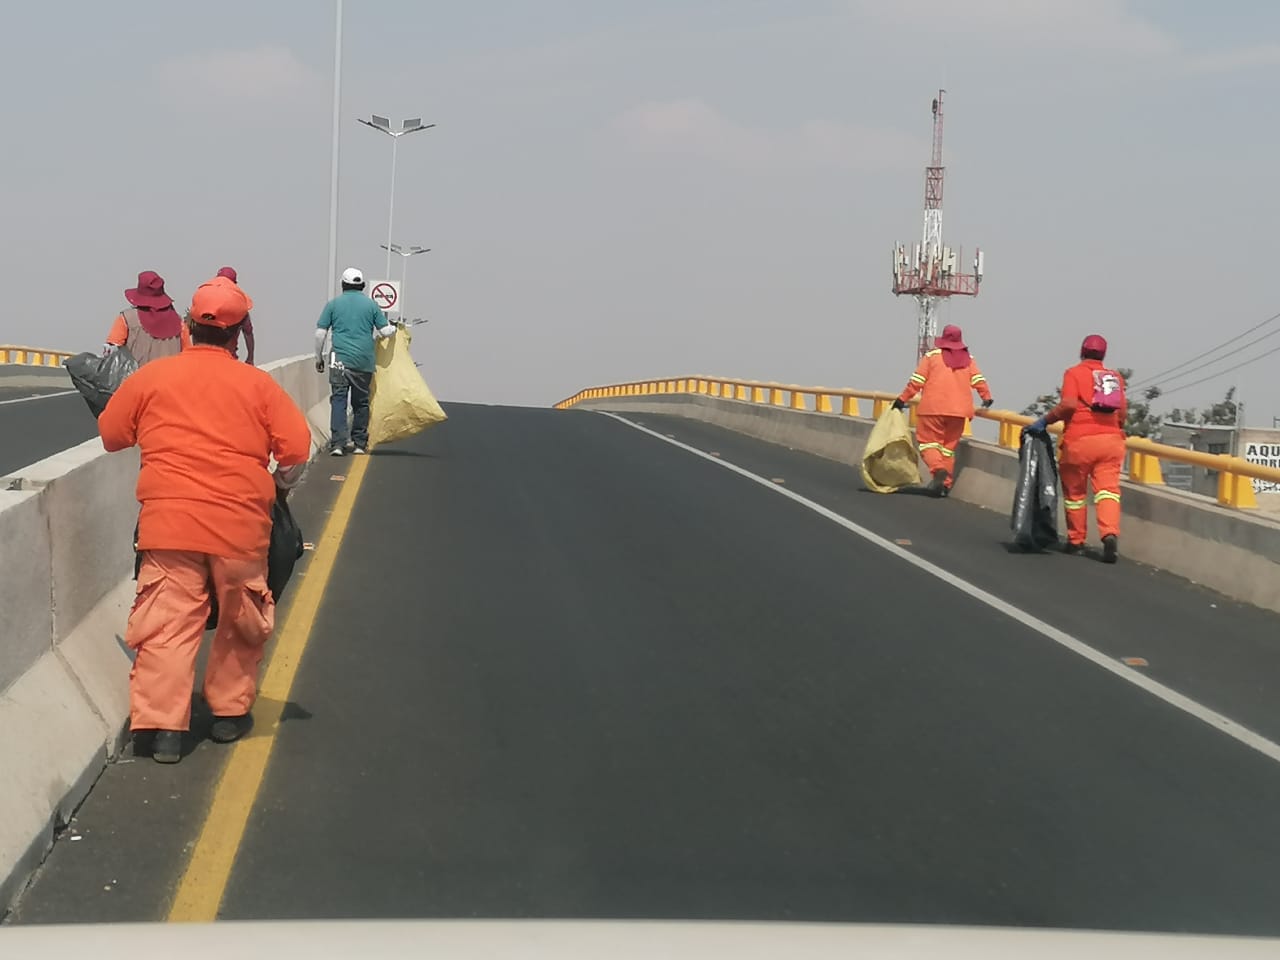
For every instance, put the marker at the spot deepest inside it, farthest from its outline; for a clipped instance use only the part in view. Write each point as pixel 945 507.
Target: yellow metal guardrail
pixel 32 356
pixel 1235 474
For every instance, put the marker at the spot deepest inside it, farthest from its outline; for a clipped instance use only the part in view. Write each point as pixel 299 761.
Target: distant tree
pixel 1042 404
pixel 1222 414
pixel 1141 422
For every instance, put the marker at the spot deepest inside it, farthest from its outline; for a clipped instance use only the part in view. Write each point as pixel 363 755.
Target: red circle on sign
pixel 384 295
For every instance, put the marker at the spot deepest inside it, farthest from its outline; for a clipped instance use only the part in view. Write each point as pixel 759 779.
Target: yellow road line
pixel 205 880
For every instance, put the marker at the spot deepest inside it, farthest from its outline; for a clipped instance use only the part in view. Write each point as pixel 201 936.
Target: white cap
pixel 352 275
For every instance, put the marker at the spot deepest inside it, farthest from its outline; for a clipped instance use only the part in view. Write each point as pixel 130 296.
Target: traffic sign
pixel 386 294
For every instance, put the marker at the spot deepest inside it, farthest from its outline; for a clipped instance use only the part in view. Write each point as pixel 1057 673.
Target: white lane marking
pixel 40 396
pixel 1218 721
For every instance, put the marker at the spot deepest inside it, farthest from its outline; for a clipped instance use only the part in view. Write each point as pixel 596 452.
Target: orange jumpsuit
pixel 946 405
pixel 207 426
pixel 1092 449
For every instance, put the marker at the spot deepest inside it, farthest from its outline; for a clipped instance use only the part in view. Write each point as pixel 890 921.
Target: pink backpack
pixel 1108 391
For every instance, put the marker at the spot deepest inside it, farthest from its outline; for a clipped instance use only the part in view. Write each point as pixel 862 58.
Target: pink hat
pixel 951 339
pixel 149 292
pixel 229 273
pixel 1094 343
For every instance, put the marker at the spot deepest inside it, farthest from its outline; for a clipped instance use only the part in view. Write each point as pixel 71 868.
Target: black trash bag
pixel 285 548
pixel 1035 502
pixel 97 378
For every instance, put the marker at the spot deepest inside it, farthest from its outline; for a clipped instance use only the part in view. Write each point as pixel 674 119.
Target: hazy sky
pixel 620 190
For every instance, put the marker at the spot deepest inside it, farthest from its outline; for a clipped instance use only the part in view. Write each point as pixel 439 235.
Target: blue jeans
pixel 356 384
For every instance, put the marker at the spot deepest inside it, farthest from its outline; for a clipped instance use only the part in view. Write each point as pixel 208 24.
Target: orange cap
pixel 219 303
pixel 228 282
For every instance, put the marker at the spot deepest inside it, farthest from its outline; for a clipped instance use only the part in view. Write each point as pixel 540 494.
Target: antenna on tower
pixel 929 273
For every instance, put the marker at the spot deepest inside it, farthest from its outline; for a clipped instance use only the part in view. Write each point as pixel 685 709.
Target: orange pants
pixel 168 621
pixel 938 437
pixel 1096 458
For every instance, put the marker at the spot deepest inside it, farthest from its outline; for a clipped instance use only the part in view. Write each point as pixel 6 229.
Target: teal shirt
pixel 353 318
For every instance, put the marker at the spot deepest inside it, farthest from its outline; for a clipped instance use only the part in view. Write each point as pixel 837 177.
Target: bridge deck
pixel 566 669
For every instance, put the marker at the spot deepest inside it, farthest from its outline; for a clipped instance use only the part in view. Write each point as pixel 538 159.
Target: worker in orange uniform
pixel 946 377
pixel 1095 410
pixel 207 427
pixel 149 328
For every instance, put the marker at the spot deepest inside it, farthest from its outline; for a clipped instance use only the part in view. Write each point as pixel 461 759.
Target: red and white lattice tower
pixel 928 272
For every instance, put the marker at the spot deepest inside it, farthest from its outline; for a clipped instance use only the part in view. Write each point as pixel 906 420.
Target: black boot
pixel 938 485
pixel 230 729
pixel 167 746
pixel 1110 548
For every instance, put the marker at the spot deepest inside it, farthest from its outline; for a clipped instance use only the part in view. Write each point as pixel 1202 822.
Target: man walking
pixel 208 427
pixel 355 321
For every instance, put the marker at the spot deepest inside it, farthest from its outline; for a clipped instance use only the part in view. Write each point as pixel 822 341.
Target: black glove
pixel 319 366
pixel 986 404
pixel 899 405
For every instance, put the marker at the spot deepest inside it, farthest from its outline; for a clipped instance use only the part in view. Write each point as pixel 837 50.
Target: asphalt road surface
pixel 565 669
pixel 40 415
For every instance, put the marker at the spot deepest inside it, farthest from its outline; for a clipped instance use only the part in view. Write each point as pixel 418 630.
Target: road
pixel 567 669
pixel 39 416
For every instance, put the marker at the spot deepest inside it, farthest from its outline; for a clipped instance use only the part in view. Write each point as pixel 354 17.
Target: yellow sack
pixel 890 461
pixel 400 402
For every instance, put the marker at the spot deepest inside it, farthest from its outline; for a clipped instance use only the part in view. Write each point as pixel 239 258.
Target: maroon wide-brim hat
pixel 951 339
pixel 149 292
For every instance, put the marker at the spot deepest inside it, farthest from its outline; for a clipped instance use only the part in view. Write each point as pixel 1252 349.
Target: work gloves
pixel 1039 425
pixel 899 405
pixel 986 404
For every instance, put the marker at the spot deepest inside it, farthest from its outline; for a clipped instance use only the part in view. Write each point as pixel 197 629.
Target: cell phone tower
pixel 928 272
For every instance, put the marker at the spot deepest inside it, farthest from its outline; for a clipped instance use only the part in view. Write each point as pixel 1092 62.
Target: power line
pixel 1214 376
pixel 1209 363
pixel 1212 350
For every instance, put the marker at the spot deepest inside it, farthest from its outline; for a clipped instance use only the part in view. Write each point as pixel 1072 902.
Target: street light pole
pixel 384 125
pixel 333 159
pixel 404 253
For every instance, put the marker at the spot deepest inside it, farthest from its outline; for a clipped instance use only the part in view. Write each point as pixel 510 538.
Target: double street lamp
pixel 406 127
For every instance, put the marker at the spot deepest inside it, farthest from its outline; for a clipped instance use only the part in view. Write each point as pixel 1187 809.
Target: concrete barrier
pixel 1234 552
pixel 66 537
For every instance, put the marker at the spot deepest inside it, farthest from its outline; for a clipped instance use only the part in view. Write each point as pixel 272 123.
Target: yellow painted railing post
pixel 968 428
pixel 822 403
pixel 913 417
pixel 849 407
pixel 741 392
pixel 1144 468
pixel 879 406
pixel 757 394
pixel 775 397
pixel 1235 490
pixel 797 400
pixel 715 388
pixel 1010 435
